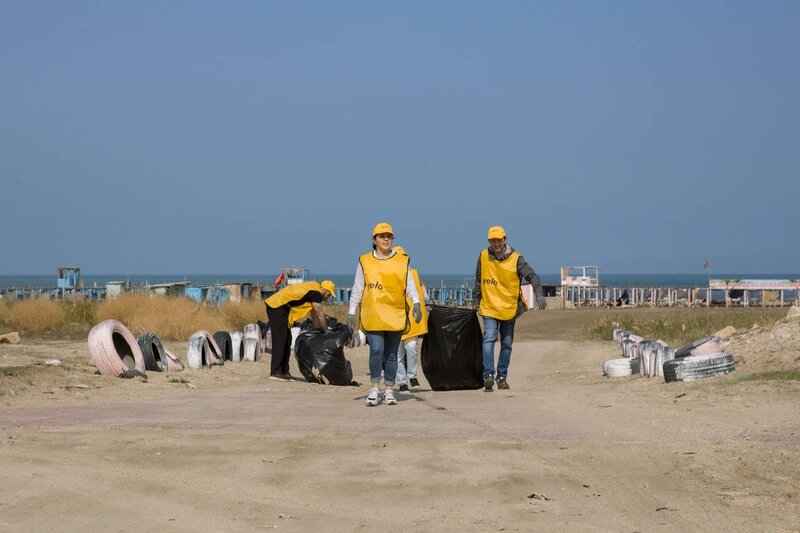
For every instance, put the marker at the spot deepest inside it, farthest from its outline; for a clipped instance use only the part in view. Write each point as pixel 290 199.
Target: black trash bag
pixel 451 354
pixel 308 324
pixel 320 356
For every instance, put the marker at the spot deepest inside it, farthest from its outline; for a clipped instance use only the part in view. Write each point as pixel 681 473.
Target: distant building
pixel 115 288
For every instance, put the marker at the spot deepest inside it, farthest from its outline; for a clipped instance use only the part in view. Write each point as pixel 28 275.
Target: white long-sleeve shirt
pixel 358 286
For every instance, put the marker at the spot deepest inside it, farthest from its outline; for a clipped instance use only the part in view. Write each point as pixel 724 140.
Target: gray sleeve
pixel 411 288
pixel 525 271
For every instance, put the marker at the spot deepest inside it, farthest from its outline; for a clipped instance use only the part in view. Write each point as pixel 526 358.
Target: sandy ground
pixel 564 450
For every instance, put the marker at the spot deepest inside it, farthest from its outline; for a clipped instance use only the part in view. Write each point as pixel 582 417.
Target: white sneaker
pixel 388 398
pixel 374 397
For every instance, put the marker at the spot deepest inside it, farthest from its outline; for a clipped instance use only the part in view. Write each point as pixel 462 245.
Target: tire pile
pixel 700 359
pixel 117 352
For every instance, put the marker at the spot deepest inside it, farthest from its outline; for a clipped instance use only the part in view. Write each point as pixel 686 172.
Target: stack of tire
pixel 252 343
pixel 654 355
pixel 116 352
pixel 700 359
pixel 629 363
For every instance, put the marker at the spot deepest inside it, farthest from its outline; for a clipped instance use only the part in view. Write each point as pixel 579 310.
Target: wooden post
pixel 781 297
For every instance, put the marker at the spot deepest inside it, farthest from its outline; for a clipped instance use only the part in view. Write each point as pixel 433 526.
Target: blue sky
pixel 240 137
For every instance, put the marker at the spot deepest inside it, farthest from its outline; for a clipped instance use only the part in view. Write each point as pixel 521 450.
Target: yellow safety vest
pixel 500 286
pixel 421 328
pixel 292 293
pixel 383 305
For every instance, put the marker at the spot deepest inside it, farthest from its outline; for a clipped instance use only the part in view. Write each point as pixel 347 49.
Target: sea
pixel 346 280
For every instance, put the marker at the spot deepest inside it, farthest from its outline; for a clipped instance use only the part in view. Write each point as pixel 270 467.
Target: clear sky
pixel 240 137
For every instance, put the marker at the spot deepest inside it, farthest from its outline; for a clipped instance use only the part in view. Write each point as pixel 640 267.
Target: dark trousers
pixel 281 338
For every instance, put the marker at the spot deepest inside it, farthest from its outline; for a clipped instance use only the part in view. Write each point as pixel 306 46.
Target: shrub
pixel 237 315
pixel 169 318
pixel 37 316
pixel 3 312
pixel 680 326
pixel 81 312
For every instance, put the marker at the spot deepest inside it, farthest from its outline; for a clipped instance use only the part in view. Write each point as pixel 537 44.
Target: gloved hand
pixel 416 312
pixel 351 322
pixel 541 303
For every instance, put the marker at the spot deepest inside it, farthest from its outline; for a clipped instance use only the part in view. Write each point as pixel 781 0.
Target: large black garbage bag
pixel 308 324
pixel 320 356
pixel 451 353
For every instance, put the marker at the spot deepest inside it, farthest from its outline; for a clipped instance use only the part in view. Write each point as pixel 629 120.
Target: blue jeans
pixel 490 327
pixel 383 355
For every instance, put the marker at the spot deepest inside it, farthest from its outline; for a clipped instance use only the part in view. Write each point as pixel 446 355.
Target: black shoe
pixel 502 383
pixel 414 382
pixel 280 377
pixel 403 388
pixel 488 383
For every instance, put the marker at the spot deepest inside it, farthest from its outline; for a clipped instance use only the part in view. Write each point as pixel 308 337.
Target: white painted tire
pixel 251 331
pixel 624 366
pixel 237 346
pixel 252 347
pixel 114 349
pixel 252 350
pixel 198 351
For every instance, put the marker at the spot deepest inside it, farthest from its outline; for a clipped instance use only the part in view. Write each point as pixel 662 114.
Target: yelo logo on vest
pixel 376 285
pixel 490 281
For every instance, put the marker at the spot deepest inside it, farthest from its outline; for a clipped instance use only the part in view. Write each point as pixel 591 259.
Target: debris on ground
pixel 10 338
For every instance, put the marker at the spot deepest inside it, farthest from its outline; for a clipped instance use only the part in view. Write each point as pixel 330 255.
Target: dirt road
pixel 564 450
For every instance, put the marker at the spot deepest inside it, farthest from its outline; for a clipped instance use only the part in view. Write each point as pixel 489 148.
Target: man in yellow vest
pixel 498 298
pixel 407 351
pixel 287 306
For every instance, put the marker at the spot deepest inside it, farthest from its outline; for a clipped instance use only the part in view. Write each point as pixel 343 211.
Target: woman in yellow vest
pixel 383 282
pixel 498 298
pixel 287 306
pixel 408 349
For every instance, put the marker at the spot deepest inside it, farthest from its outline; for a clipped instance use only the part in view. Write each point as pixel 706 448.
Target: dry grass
pixel 169 318
pixel 679 326
pixel 37 316
pixel 237 315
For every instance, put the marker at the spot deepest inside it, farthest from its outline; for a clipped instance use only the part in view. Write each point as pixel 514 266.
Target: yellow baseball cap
pixel 329 286
pixel 496 232
pixel 400 250
pixel 382 227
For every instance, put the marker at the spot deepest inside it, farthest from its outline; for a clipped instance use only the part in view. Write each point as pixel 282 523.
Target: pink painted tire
pixel 215 354
pixel 114 349
pixel 215 357
pixel 704 346
pixel 173 363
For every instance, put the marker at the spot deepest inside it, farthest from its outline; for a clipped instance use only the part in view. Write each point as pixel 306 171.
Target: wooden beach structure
pixel 586 291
